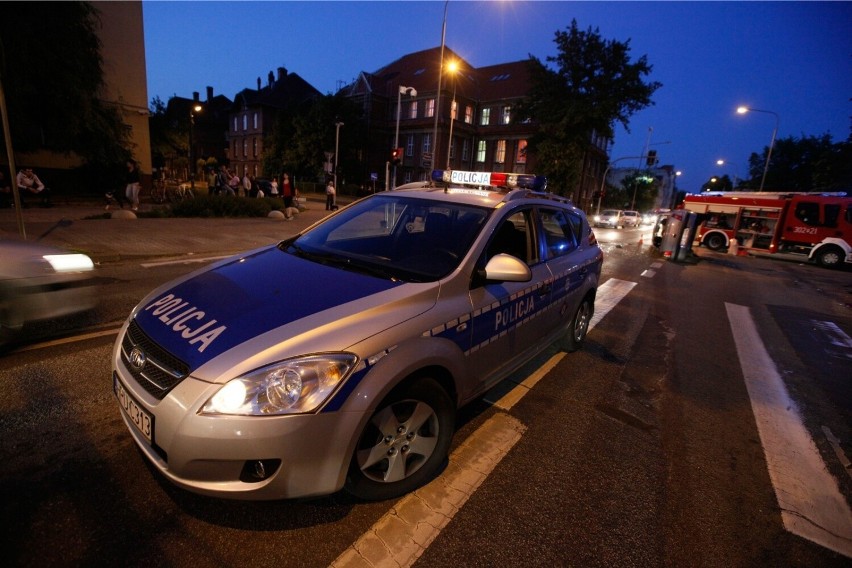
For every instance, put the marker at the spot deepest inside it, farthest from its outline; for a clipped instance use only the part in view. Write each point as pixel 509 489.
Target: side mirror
pixel 506 268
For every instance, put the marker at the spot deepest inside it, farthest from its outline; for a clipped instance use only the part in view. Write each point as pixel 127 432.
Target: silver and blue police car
pixel 338 358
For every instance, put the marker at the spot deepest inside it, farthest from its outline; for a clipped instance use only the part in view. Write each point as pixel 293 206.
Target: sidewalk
pixel 82 227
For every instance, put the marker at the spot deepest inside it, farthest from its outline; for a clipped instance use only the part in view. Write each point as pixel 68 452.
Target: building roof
pixel 285 90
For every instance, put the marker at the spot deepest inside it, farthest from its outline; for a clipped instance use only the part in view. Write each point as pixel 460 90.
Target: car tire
pixel 404 444
pixel 575 336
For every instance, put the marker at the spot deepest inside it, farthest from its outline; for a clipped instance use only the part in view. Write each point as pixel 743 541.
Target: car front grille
pixel 161 371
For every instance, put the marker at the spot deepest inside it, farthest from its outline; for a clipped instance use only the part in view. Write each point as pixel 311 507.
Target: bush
pixel 224 206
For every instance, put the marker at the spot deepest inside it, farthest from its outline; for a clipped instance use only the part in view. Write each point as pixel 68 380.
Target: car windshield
pixel 395 237
pixel 609 213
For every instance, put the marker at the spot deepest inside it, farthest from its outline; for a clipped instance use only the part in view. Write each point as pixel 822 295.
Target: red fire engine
pixel 816 225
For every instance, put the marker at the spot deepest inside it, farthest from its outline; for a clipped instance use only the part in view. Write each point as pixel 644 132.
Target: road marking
pixel 185 260
pixel 404 533
pixel 63 341
pixel 610 293
pixel 808 495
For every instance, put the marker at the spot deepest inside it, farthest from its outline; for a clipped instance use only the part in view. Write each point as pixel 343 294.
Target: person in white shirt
pixel 29 184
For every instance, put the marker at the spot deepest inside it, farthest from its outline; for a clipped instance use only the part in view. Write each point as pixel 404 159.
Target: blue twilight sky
pixel 791 58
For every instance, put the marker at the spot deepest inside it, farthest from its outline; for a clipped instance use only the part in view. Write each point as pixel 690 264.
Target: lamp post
pixel 192 110
pixel 402 91
pixel 452 68
pixel 743 110
pixel 336 152
pixel 603 181
pixel 723 162
pixel 438 92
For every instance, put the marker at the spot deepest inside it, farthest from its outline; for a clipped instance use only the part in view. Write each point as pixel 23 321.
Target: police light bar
pixel 493 179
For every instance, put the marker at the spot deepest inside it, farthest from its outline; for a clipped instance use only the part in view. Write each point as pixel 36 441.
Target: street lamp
pixel 723 162
pixel 452 68
pixel 192 110
pixel 402 91
pixel 438 92
pixel 336 152
pixel 743 110
pixel 606 171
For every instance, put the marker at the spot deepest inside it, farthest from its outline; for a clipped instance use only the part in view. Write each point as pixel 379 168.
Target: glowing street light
pixel 745 109
pixel 193 109
pixel 452 67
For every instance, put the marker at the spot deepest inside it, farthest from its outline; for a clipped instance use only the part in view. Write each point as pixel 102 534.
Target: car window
pixel 514 237
pixel 560 234
pixel 405 238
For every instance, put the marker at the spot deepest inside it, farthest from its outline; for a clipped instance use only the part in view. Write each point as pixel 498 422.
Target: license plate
pixel 140 418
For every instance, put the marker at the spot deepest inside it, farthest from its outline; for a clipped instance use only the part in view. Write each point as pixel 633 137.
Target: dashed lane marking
pixel 808 495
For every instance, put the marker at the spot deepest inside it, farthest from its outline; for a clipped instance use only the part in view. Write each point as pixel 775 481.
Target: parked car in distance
pixel 610 218
pixel 338 358
pixel 631 218
pixel 39 282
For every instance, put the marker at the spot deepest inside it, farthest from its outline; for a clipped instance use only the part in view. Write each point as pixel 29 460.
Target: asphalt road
pixel 640 450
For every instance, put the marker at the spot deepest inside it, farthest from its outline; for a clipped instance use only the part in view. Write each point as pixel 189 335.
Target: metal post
pixel 407 90
pixel 336 152
pixel 438 92
pixel 452 105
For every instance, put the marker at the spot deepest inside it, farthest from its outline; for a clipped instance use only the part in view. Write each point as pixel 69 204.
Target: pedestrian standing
pixel 273 187
pixel 330 196
pixel 211 181
pixel 133 185
pixel 288 191
pixel 247 184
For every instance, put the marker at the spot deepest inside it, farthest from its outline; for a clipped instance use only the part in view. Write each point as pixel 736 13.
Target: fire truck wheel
pixel 714 241
pixel 829 257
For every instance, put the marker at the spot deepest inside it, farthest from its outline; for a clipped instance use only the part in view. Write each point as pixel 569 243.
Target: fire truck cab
pixel 818 226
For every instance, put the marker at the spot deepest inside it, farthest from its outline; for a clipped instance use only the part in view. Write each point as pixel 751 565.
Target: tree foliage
pixel 51 68
pixel 594 85
pixel 809 163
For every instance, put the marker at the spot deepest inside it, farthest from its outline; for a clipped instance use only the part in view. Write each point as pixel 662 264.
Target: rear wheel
pixel 714 241
pixel 404 444
pixel 576 334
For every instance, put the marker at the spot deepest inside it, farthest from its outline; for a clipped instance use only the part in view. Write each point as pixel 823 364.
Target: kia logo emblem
pixel 137 359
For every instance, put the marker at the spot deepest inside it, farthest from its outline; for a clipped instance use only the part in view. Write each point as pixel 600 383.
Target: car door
pixel 505 314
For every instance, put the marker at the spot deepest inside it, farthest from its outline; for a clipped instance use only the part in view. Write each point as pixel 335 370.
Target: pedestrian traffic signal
pixel 652 158
pixel 396 156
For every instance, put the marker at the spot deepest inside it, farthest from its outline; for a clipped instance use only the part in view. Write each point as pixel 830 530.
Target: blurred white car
pixel 631 219
pixel 610 218
pixel 39 283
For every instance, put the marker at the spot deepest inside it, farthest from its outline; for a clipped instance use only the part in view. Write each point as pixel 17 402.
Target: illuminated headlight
pixel 294 386
pixel 597 218
pixel 69 262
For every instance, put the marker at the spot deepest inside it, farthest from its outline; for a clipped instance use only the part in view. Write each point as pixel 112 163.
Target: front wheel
pixel 576 334
pixel 830 256
pixel 404 444
pixel 714 241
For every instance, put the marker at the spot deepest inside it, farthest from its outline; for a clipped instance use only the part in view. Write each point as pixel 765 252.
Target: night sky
pixel 791 58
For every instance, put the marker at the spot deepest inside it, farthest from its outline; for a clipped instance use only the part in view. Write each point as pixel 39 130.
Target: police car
pixel 337 358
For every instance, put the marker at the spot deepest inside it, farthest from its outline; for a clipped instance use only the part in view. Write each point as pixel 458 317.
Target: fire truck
pixel 815 225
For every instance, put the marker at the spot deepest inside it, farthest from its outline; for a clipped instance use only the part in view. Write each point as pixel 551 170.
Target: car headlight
pixel 69 262
pixel 293 386
pixel 597 218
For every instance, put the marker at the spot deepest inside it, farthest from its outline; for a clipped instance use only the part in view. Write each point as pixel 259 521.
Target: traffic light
pixel 396 156
pixel 652 158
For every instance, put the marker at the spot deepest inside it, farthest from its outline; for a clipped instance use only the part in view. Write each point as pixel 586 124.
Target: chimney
pixel 282 72
pixel 209 95
pixel 195 96
pixel 271 79
pixel 258 83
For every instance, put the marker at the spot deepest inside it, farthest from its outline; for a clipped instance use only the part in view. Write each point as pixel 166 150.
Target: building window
pixel 480 152
pixel 245 147
pixel 486 117
pixel 254 147
pixel 409 145
pixel 245 122
pixel 465 150
pixel 507 115
pixel 412 110
pixel 235 124
pixel 452 148
pixel 468 114
pixel 430 108
pixel 427 143
pixel 254 121
pixel 500 154
pixel 236 143
pixel 454 110
pixel 521 158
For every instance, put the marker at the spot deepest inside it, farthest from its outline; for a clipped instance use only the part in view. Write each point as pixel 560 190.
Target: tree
pixel 723 183
pixel 809 163
pixel 640 191
pixel 51 68
pixel 593 86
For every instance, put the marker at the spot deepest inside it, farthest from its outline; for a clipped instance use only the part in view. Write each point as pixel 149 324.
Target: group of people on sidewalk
pixel 29 187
